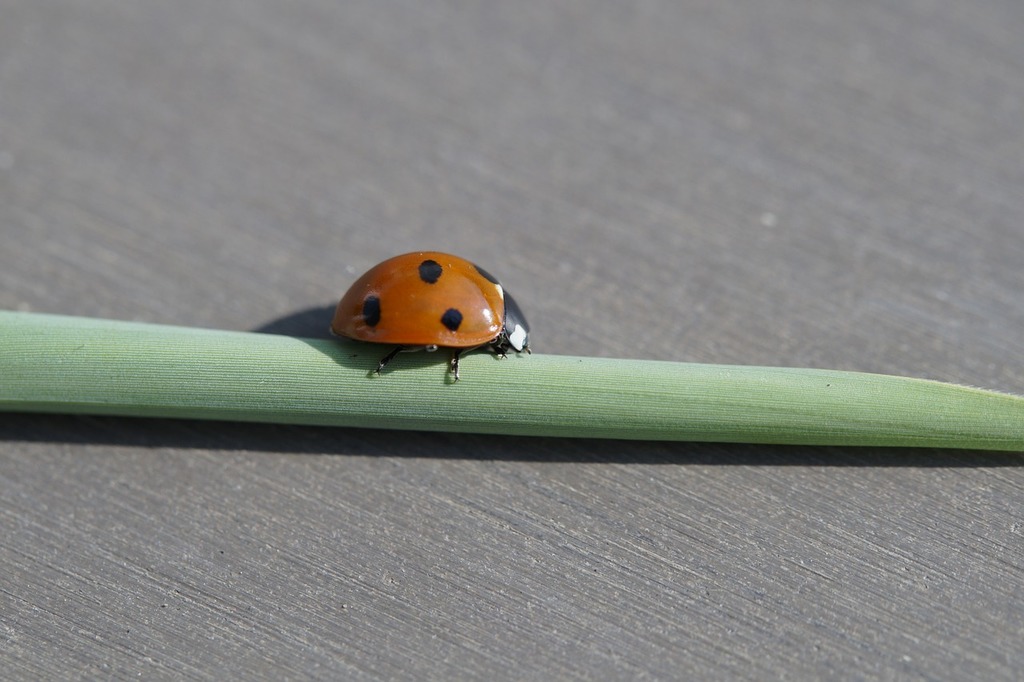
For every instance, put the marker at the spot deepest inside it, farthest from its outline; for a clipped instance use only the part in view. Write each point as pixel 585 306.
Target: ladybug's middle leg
pixel 454 365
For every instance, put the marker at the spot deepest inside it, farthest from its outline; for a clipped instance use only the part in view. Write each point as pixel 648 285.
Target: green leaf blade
pixel 64 364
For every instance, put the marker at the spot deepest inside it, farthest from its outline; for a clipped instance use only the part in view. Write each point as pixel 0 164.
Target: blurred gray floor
pixel 823 184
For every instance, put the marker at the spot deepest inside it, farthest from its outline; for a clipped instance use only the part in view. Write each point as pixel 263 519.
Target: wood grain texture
pixel 818 184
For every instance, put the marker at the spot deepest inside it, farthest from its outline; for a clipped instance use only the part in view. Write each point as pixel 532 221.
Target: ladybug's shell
pixel 396 303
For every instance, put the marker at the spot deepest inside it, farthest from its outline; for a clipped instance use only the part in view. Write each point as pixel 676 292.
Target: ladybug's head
pixel 516 332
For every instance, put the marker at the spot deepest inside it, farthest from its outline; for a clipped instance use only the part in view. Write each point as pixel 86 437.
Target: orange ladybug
pixel 428 300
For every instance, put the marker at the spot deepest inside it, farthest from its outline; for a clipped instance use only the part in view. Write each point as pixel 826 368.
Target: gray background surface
pixel 783 182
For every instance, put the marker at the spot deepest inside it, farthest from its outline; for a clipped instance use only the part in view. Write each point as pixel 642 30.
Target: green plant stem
pixel 74 365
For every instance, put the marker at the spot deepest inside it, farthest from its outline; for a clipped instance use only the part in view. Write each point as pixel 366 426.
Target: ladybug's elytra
pixel 428 300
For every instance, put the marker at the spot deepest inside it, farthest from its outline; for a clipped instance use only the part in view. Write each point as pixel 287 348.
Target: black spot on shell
pixel 371 311
pixel 486 275
pixel 452 318
pixel 430 271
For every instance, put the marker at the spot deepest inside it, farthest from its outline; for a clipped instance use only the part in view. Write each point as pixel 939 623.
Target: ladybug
pixel 428 300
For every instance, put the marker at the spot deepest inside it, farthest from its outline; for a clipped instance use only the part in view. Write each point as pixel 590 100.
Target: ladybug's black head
pixel 516 332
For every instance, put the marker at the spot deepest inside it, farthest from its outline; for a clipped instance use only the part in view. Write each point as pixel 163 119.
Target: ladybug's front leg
pixel 499 349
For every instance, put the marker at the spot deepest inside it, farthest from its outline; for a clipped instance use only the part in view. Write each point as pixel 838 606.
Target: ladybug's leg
pixel 498 348
pixel 454 366
pixel 402 349
pixel 389 357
